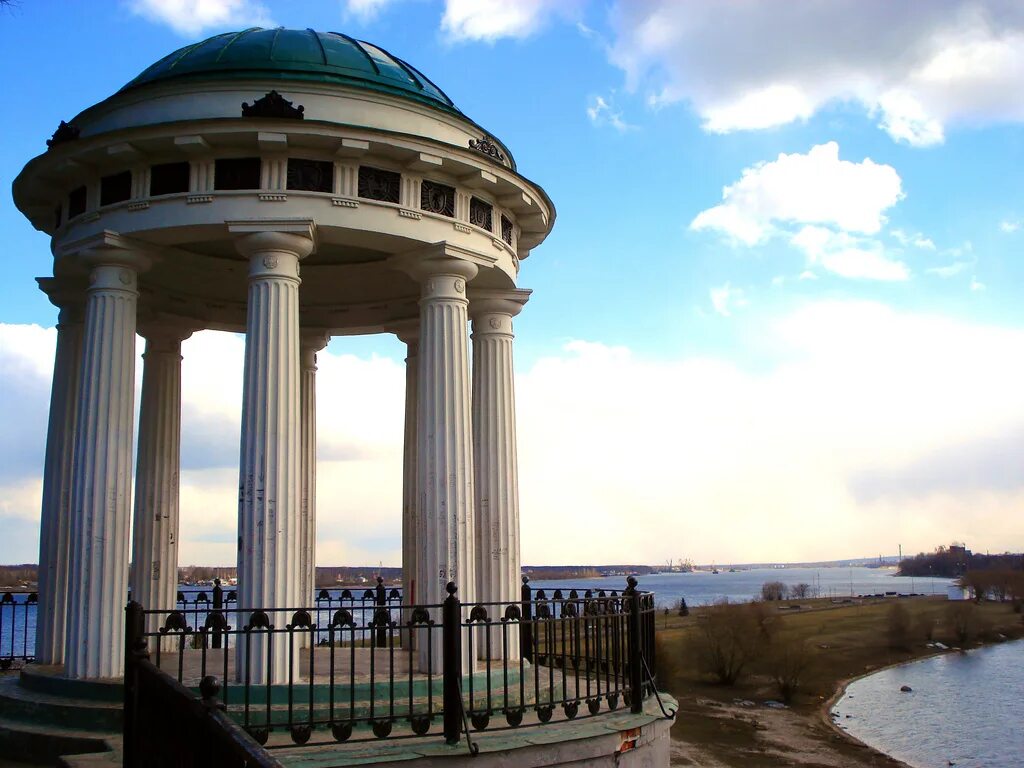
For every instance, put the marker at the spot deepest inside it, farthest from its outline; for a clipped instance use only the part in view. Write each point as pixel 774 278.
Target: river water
pixel 965 709
pixel 17 622
pixel 704 587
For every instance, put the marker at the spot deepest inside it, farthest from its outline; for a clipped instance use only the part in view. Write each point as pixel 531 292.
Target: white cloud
pixel 848 256
pixel 815 201
pixel 602 112
pixel 815 188
pixel 1008 226
pixel 727 298
pixel 694 448
pixel 190 17
pixel 977 285
pixel 915 67
pixel 917 240
pixel 491 20
pixel 949 270
pixel 365 11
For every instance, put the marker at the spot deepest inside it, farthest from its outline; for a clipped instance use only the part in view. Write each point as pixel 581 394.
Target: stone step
pixel 18 703
pixel 44 744
pixel 48 679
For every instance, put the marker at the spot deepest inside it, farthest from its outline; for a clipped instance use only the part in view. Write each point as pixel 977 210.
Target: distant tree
pixel 963 620
pixel 773 590
pixel 727 640
pixel 800 591
pixel 787 663
pixel 898 628
pixel 681 607
pixel 924 627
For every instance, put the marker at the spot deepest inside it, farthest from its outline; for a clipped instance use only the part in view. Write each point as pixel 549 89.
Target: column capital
pixel 407 331
pixel 309 344
pixel 497 302
pixel 255 238
pixel 108 249
pixel 163 337
pixel 440 259
pixel 68 295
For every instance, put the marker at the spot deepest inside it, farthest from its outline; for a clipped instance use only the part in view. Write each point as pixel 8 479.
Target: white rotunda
pixel 292 185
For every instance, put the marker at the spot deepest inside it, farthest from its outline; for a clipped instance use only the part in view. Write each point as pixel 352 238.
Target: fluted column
pixel 444 452
pixel 310 345
pixel 270 478
pixel 154 579
pixel 496 476
pixel 102 474
pixel 410 334
pixel 55 519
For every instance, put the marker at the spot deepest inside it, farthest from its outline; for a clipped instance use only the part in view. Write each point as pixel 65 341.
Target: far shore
pixel 723 726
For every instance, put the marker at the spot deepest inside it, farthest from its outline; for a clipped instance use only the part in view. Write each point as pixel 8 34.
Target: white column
pixel 310 345
pixel 100 496
pixel 444 451
pixel 496 476
pixel 410 334
pixel 270 479
pixel 154 580
pixel 56 510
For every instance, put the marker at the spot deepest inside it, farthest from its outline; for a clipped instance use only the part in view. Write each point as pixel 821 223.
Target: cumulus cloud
pixel 365 11
pixel 949 270
pixel 821 204
pixel 857 417
pixel 1009 226
pixel 190 17
pixel 601 111
pixel 491 20
pixel 727 298
pixel 916 68
pixel 815 188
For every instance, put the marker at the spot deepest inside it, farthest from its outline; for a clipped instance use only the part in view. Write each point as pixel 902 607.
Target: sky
pixel 779 317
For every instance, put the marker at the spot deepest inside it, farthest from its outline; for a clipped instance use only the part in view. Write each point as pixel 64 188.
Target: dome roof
pixel 294 54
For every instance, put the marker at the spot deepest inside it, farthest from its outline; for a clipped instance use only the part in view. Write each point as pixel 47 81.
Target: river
pixel 705 587
pixel 964 709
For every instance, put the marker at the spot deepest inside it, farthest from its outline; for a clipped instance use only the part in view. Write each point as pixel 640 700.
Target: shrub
pixel 727 639
pixel 681 608
pixel 963 619
pixel 773 590
pixel 787 663
pixel 898 629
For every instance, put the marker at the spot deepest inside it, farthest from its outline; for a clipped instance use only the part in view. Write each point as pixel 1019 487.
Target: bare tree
pixel 800 591
pixel 727 640
pixel 788 662
pixel 963 619
pixel 773 590
pixel 899 627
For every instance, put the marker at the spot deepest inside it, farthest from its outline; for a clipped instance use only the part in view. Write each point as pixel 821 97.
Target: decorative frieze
pixel 65 132
pixel 486 146
pixel 273 105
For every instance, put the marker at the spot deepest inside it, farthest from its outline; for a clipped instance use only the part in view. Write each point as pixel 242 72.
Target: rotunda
pixel 292 185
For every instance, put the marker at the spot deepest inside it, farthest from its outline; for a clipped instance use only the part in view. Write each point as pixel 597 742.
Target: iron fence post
pixel 380 615
pixel 134 650
pixel 451 663
pixel 218 605
pixel 526 624
pixel 634 633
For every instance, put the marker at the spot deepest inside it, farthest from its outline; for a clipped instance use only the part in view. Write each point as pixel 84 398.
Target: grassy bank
pixel 728 725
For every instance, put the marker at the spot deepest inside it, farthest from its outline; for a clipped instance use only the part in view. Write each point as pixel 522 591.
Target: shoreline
pixel 723 726
pixel 825 710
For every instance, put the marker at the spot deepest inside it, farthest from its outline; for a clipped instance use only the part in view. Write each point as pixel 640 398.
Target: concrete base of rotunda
pixel 48 719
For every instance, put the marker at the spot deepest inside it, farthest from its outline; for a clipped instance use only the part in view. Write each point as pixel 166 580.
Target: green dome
pixel 294 54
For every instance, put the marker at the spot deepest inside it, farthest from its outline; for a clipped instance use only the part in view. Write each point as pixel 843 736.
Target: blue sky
pixel 782 296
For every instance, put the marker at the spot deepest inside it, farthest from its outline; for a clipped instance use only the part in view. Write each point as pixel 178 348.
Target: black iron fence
pixel 370 668
pixel 166 724
pixel 18 610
